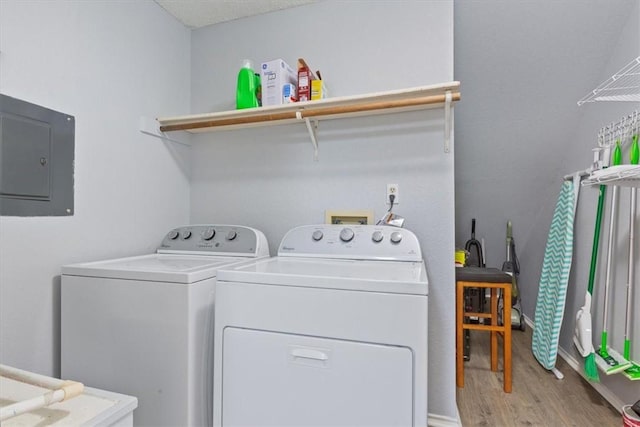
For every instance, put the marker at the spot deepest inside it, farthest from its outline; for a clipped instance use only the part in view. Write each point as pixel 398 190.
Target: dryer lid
pixel 347 274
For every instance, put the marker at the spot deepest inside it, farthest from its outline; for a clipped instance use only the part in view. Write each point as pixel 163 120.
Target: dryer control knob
pixel 317 235
pixel 377 236
pixel 186 235
pixel 346 235
pixel 208 234
pixel 173 235
pixel 231 235
pixel 396 237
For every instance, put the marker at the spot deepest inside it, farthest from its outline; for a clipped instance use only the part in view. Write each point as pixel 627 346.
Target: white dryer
pixel 143 325
pixel 331 332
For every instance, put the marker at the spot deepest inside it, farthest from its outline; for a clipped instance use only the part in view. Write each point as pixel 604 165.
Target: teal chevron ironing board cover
pixel 554 278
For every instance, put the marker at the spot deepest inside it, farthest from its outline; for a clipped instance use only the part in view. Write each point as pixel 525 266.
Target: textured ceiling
pixel 199 13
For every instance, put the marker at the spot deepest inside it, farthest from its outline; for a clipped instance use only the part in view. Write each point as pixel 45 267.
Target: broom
pixel 582 334
pixel 607 359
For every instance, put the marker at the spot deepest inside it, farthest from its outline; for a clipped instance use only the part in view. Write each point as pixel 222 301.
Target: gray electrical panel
pixel 36 159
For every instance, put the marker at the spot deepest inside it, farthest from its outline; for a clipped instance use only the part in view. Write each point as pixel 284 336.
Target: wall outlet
pixel 393 189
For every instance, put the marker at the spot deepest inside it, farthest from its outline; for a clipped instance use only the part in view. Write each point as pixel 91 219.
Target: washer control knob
pixel 186 235
pixel 377 236
pixel 231 235
pixel 208 234
pixel 396 237
pixel 317 235
pixel 173 235
pixel 346 235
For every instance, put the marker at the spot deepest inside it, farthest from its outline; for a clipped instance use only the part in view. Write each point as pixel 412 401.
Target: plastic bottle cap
pixel 247 63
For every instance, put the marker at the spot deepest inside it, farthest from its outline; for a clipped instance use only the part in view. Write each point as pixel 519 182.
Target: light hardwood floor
pixel 538 398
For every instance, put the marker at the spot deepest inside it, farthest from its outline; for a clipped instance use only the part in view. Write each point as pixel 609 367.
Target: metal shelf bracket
pixel 448 125
pixel 149 126
pixel 312 127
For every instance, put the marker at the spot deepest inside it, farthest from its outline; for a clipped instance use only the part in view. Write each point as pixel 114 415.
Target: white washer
pixel 331 332
pixel 143 325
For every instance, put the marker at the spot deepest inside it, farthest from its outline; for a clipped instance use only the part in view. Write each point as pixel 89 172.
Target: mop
pixel 555 277
pixel 608 360
pixel 583 333
pixel 633 373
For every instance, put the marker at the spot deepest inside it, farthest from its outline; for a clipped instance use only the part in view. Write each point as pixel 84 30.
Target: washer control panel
pixel 214 239
pixel 351 242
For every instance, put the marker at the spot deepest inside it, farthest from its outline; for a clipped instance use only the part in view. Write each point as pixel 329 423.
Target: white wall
pixel 107 64
pixel 267 178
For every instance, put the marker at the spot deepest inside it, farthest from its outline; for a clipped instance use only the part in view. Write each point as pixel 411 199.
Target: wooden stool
pixel 494 279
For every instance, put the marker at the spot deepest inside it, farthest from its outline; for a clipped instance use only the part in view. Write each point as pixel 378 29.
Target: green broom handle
pixel 596 239
pixel 634 159
pixel 616 159
pixel 631 277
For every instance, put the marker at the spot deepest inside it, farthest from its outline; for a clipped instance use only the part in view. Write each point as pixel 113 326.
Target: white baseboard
pixel 577 366
pixel 602 390
pixel 528 321
pixel 442 421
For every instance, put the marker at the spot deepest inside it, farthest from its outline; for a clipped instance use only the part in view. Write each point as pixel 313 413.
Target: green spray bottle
pixel 248 82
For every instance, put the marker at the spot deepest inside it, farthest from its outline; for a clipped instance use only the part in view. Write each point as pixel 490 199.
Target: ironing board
pixel 554 278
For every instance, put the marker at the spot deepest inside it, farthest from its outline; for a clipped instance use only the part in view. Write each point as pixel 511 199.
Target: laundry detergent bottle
pixel 246 93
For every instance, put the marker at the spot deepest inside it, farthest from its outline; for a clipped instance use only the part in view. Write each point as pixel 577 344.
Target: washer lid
pixel 371 276
pixel 155 267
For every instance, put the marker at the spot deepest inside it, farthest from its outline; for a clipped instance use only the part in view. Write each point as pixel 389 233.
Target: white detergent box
pixel 274 75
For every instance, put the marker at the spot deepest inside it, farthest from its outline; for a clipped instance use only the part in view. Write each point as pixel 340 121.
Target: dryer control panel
pixel 366 242
pixel 211 239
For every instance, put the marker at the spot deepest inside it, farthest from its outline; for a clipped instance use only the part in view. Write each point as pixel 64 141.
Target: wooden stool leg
pixel 507 339
pixel 459 334
pixel 494 334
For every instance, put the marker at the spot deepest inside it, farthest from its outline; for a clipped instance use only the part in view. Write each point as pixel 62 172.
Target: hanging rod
pixel 312 112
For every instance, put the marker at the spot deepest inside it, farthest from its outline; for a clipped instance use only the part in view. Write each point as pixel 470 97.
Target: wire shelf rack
pixel 621 175
pixel 627 175
pixel 622 86
pixel 621 131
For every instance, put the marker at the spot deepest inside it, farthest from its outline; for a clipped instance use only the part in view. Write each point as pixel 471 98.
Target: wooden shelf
pixel 417 98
